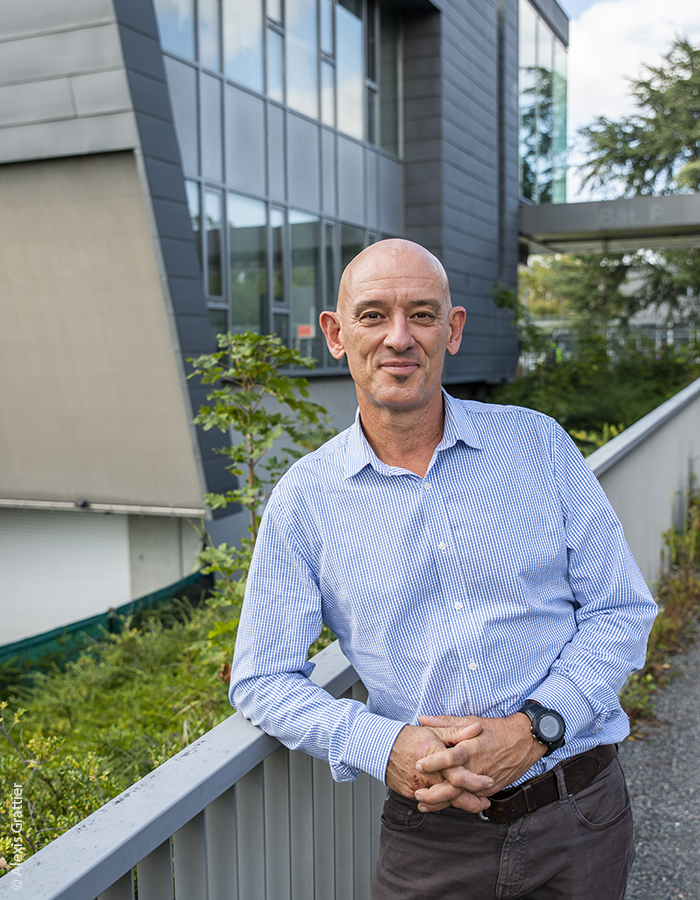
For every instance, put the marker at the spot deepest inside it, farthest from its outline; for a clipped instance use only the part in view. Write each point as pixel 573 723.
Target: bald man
pixel 480 584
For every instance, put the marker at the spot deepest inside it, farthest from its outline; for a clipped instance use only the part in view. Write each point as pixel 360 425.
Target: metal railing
pixel 237 816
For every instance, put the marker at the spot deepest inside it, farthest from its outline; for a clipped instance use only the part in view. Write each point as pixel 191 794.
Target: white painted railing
pixel 236 816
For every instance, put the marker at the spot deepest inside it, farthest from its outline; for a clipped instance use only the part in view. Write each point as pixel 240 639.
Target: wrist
pixel 547 725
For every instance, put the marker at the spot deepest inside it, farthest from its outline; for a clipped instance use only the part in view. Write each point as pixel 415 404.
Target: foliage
pixel 246 374
pixel 657 150
pixel 77 738
pixel 678 596
pixel 595 388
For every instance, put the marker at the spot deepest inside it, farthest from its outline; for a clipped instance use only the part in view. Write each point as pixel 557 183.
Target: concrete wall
pixel 645 472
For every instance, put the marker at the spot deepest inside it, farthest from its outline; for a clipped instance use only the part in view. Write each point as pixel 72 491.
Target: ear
pixel 458 316
pixel 330 326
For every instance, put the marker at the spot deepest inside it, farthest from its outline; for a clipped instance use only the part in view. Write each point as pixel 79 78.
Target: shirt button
pixel 426 486
pixel 473 666
pixel 458 605
pixel 442 546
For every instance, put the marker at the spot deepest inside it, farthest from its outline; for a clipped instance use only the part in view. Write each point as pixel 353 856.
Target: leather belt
pixel 511 804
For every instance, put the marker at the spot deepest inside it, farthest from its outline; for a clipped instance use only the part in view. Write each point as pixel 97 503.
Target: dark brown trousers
pixel 578 848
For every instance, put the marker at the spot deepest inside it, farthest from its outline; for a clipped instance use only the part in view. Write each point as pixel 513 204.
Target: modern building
pixel 170 170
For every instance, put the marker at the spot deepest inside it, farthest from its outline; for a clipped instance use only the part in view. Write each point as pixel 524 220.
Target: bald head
pixel 391 258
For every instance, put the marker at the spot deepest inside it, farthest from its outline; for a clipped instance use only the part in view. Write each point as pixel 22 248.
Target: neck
pixel 403 438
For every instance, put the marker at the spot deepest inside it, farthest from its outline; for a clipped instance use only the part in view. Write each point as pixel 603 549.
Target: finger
pixel 455 734
pixel 443 793
pixel 463 778
pixel 458 755
pixel 471 803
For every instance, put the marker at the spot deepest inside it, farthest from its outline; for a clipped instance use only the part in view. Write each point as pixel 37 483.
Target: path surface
pixel 663 774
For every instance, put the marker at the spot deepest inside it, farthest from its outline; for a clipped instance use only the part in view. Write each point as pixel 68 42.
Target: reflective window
pixel 247 222
pixel 302 56
pixel 331 273
pixel 327 93
pixel 275 65
pixel 542 110
pixel 352 242
pixel 212 217
pixel 305 239
pixel 209 34
pixel 277 235
pixel 243 42
pixel 218 319
pixel 192 190
pixel 350 77
pixel 176 26
pixel 274 10
pixel 280 324
pixel 327 26
pixel 389 83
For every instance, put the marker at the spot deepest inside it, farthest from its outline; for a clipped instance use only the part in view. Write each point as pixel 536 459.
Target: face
pixel 394 322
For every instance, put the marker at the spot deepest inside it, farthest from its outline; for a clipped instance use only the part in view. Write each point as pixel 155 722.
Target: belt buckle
pixel 482 815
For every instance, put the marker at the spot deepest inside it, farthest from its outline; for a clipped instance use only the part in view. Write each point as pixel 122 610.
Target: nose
pixel 399 336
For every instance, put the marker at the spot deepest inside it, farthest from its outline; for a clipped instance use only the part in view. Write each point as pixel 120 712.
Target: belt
pixel 511 804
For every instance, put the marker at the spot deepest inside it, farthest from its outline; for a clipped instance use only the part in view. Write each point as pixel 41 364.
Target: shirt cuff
pixel 557 692
pixel 370 742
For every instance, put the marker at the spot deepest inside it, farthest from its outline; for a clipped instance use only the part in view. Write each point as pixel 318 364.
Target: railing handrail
pixel 96 852
pixel 611 453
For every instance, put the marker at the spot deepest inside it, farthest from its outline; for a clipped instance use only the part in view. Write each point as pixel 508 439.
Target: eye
pixel 424 316
pixel 370 317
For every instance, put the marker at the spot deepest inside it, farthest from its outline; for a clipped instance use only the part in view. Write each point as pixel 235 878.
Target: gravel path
pixel 663 773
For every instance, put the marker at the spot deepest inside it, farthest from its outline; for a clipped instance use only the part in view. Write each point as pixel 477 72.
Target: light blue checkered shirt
pixel 501 575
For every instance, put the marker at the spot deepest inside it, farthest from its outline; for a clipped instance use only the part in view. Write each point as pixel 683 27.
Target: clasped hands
pixel 460 760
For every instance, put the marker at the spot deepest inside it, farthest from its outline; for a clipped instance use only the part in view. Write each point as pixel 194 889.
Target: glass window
pixel 210 111
pixel 274 10
pixel 389 82
pixel 327 93
pixel 280 324
pixel 528 83
pixel 331 275
pixel 209 34
pixel 349 69
pixel 327 26
pixel 372 107
pixel 352 242
pixel 247 222
pixel 277 234
pixel 218 319
pixel 176 26
pixel 192 190
pixel 545 52
pixel 305 238
pixel 559 124
pixel 302 56
pixel 243 42
pixel 275 65
pixel 212 213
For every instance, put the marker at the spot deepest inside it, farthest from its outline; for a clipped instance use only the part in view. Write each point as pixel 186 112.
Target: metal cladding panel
pixel 163 170
pixel 460 96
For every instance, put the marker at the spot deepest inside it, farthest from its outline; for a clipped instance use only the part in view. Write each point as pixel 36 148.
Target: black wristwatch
pixel 547 725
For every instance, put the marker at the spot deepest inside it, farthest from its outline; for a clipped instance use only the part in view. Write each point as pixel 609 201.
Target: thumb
pixel 456 733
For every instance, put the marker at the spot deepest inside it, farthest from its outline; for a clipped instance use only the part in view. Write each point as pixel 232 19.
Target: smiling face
pixel 394 322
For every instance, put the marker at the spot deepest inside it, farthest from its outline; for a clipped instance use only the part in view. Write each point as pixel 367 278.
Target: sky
pixel 610 41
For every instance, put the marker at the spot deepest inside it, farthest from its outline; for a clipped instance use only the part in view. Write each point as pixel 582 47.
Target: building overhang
pixel 612 226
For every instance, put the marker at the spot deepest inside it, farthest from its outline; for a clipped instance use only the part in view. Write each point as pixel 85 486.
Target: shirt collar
pixel 458 427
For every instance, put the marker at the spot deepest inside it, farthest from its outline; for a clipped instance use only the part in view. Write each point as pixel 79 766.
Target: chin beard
pixel 401 379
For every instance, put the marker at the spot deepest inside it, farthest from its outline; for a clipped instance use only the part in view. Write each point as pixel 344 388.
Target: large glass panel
pixel 209 34
pixel 305 237
pixel 327 93
pixel 559 124
pixel 218 319
pixel 352 242
pixel 192 190
pixel 302 56
pixel 545 98
pixel 210 111
pixel 372 107
pixel 247 222
pixel 176 26
pixel 243 42
pixel 389 95
pixel 275 65
pixel 280 325
pixel 528 88
pixel 212 213
pixel 331 275
pixel 327 26
pixel 349 70
pixel 274 10
pixel 277 233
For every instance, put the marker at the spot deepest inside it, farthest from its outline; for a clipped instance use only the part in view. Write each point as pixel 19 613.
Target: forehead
pixel 395 275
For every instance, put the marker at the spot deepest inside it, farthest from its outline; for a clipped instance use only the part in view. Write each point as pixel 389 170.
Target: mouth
pixel 399 366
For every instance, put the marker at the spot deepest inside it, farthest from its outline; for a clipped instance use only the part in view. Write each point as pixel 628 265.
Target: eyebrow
pixel 363 305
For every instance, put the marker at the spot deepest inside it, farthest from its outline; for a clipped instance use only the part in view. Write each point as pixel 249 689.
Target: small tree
pixel 254 400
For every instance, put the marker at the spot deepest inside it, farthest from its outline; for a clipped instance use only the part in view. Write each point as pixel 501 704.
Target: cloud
pixel 611 42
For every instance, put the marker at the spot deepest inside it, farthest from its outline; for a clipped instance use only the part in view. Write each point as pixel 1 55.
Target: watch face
pixel 549 727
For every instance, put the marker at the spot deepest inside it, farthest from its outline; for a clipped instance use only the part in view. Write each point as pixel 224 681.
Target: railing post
pixel 123 889
pixel 155 874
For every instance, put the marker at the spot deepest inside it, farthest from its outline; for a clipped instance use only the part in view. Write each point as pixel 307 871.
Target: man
pixel 480 584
